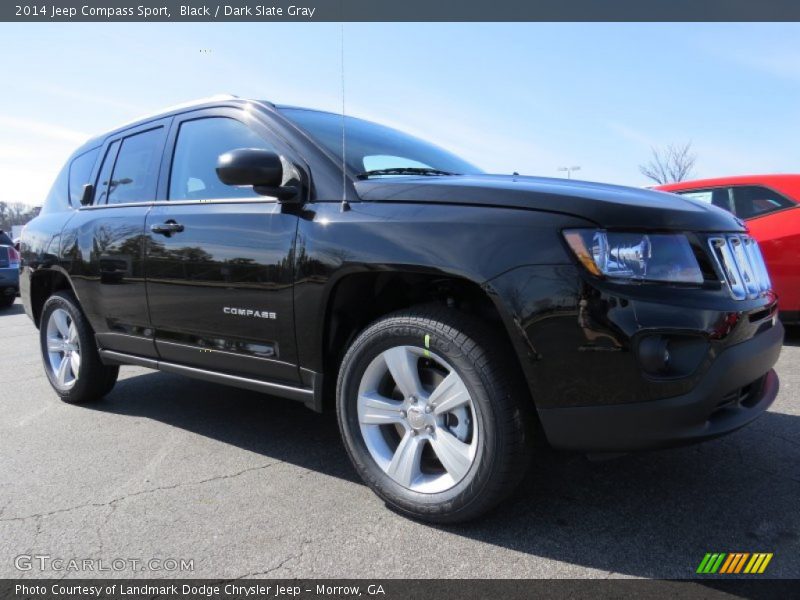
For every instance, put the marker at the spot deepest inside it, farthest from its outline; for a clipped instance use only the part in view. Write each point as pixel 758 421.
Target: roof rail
pixel 181 105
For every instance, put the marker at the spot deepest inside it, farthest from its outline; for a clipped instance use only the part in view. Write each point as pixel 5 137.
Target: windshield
pixel 375 150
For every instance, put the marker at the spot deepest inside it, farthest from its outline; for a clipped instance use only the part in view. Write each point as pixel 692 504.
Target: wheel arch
pixel 44 283
pixel 357 299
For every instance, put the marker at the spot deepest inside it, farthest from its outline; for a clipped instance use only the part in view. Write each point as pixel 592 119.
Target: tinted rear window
pixel 5 239
pixel 136 168
pixel 79 172
pixel 104 176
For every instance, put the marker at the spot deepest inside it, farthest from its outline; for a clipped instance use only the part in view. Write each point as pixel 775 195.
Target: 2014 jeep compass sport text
pixel 451 317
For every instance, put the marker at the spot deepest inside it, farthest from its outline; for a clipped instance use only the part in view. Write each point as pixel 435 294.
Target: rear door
pixel 103 245
pixel 219 258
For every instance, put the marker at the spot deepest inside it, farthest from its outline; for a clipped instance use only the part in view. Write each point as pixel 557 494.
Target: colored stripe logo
pixel 734 563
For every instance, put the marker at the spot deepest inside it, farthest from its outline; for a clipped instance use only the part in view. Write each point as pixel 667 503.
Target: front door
pixel 219 258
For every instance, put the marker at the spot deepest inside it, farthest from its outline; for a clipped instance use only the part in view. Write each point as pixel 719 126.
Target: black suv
pixel 451 316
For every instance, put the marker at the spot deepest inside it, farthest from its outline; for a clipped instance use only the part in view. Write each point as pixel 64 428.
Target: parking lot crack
pixel 271 569
pixel 298 555
pixel 114 501
pixel 191 483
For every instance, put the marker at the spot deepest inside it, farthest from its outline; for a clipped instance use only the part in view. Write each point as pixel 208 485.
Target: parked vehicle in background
pixel 769 206
pixel 9 270
pixel 447 315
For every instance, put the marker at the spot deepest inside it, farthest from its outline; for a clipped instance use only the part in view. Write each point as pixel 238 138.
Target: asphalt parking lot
pixel 247 485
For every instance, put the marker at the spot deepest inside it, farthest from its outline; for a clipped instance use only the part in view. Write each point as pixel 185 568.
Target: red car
pixel 769 206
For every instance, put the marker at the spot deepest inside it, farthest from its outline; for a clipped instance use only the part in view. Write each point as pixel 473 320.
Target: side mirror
pixel 261 169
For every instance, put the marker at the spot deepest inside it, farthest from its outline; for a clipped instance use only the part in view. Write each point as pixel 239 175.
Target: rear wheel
pixel 432 416
pixel 70 355
pixel 6 301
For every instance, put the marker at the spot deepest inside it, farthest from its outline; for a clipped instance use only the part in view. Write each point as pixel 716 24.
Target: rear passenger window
pixel 79 172
pixel 135 172
pixel 755 201
pixel 194 163
pixel 104 177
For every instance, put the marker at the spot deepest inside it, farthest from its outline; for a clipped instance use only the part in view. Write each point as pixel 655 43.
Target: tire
pixel 66 330
pixel 7 301
pixel 402 446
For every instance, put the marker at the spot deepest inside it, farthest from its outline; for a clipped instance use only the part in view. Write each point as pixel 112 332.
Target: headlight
pixel 635 256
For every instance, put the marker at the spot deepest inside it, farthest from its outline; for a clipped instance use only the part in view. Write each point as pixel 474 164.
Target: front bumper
pixel 738 387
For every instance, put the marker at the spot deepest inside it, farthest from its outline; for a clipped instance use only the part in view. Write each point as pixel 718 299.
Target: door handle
pixel 167 228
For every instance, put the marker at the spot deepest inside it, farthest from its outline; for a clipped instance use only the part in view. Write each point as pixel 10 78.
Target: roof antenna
pixel 345 203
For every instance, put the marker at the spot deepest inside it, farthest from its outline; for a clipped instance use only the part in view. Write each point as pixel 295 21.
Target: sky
pixel 526 97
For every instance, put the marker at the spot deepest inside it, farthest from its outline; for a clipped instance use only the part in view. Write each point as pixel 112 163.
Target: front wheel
pixel 432 416
pixel 70 355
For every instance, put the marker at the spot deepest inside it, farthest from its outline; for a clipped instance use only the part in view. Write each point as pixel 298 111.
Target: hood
pixel 609 206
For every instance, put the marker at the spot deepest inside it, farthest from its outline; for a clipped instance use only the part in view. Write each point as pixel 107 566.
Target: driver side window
pixel 199 144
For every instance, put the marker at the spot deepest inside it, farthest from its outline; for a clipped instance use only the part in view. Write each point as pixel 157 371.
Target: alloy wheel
pixel 63 348
pixel 417 419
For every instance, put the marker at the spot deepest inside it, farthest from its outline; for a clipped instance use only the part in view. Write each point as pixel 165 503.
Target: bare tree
pixel 670 164
pixel 16 213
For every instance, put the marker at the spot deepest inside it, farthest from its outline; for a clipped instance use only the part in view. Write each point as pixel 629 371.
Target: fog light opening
pixel 654 355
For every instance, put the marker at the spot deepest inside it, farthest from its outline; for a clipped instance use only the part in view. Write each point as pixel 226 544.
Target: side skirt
pixel 311 397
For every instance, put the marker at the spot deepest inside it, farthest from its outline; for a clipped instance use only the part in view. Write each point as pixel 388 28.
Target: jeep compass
pixel 450 317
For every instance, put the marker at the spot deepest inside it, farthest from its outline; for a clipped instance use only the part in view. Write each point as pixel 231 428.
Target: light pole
pixel 569 170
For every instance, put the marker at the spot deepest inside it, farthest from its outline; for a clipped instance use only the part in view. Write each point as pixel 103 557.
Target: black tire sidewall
pixel 92 372
pixel 369 345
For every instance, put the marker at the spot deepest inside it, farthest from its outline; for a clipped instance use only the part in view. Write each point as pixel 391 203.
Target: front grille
pixel 741 265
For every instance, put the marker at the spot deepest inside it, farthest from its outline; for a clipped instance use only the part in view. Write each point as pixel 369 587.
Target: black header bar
pixel 401 10
pixel 392 589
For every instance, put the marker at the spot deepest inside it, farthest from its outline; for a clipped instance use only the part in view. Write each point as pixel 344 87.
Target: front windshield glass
pixel 375 150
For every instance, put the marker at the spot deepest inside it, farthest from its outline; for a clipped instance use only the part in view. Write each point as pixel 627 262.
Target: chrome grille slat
pixel 758 261
pixel 742 266
pixel 743 263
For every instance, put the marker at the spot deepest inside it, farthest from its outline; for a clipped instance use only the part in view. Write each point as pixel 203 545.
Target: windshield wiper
pixel 402 171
